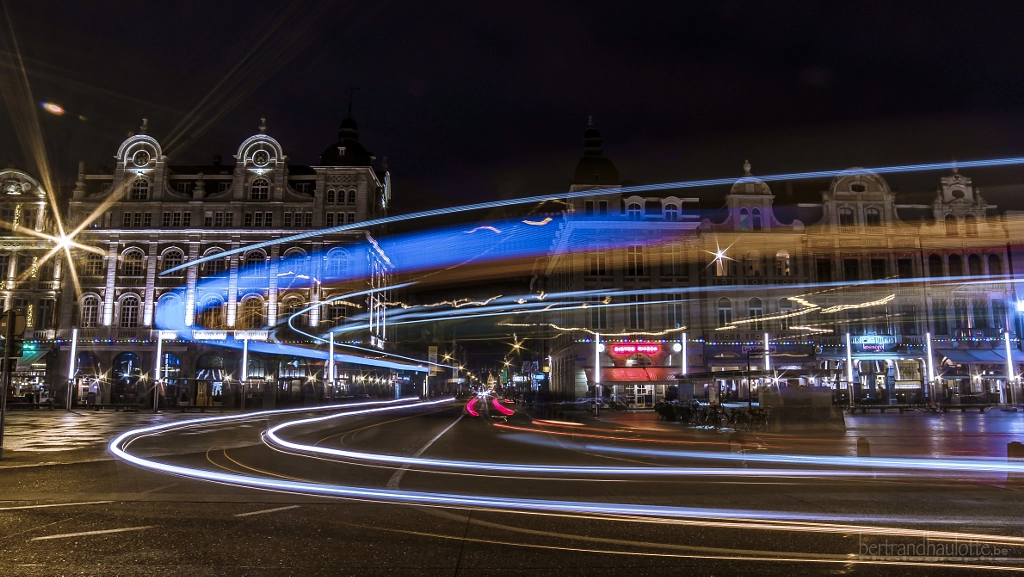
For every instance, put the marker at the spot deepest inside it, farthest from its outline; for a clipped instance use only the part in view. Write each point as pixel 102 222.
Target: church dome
pixel 749 184
pixel 347 151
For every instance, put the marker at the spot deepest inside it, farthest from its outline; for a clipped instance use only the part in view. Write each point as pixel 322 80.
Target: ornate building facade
pixel 150 217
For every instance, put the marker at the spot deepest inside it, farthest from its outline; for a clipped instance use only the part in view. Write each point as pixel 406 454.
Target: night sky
pixel 474 101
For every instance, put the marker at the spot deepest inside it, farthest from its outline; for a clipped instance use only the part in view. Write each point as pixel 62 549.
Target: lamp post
pixel 597 374
pixel 330 363
pixel 245 371
pixel 1007 395
pixel 929 366
pixel 71 368
pixel 849 369
pixel 156 371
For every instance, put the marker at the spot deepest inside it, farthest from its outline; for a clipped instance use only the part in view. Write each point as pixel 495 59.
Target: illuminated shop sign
pixel 873 343
pixel 633 348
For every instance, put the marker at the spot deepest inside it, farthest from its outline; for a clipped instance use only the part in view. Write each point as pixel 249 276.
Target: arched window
pixel 259 189
pixel 744 219
pixel 995 265
pixel 173 258
pixel 214 266
pixel 129 315
pixel 755 311
pixel 634 211
pixel 952 227
pixel 211 313
pixel 956 265
pixel 291 308
pixel 252 314
pixel 351 196
pixel 170 312
pixel 671 212
pixel 971 225
pixel 170 367
pixel 755 218
pixel 782 264
pixel 724 312
pixel 132 263
pixel 785 308
pixel 335 312
pixel 93 266
pixel 935 266
pixel 846 216
pixel 999 314
pixel 139 190
pixel 979 310
pixel 337 264
pixel 90 313
pixel 330 196
pixel 753 263
pixel 255 264
pixel 974 265
pixel 873 217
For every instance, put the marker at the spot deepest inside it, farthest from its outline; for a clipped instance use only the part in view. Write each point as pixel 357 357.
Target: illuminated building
pixel 854 261
pixel 29 280
pixel 150 216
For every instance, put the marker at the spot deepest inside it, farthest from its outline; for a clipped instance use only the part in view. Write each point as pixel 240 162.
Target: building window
pixel 823 267
pixel 223 185
pixel 755 312
pixel 23 266
pixel 999 314
pixel 330 197
pixel 335 312
pixel 961 315
pixel 724 312
pixel 672 261
pixel 287 220
pixel 974 266
pixel 753 263
pixel 351 197
pixel 351 217
pixel 597 264
pixel 971 225
pixel 588 208
pixel 744 219
pixel 956 265
pixel 908 319
pixel 208 219
pixel 951 226
pixel 44 314
pixel 167 219
pixel 671 212
pixel 90 312
pixel 309 220
pixel 184 187
pixel 674 311
pixel 137 220
pixel 634 211
pixel 214 266
pixel 995 265
pixel 129 317
pixel 785 308
pixel 598 315
pixel 979 310
pixel 337 264
pixel 259 189
pixel 935 266
pixel 755 218
pixel 211 314
pixel 873 217
pixel 255 264
pixel 132 263
pixel 602 208
pixel 782 264
pixel 905 268
pixel 251 314
pixel 940 323
pixel 139 189
pixel 330 219
pixel 635 260
pixel 845 216
pixel 636 313
pixel 851 269
pixel 93 266
pixel 173 258
pixel 229 219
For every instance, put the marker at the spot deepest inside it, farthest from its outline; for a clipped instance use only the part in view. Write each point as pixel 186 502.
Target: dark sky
pixel 480 100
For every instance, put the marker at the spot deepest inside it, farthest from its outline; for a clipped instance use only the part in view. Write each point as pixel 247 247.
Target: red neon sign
pixel 633 348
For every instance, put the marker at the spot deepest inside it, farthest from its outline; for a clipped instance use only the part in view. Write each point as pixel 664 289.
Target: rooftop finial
pixel 145 126
pixel 955 171
pixel 590 122
pixel 263 125
pixel 349 92
pixel 746 168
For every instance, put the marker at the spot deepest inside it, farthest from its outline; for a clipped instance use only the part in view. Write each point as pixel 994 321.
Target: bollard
pixel 863 447
pixel 1015 455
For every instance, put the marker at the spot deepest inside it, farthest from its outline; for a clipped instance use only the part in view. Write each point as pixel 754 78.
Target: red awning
pixel 634 374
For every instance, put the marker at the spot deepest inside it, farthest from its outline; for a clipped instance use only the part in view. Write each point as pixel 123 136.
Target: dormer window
pixel 873 217
pixel 755 218
pixel 744 219
pixel 671 213
pixel 341 151
pixel 858 187
pixel 634 211
pixel 845 216
pixel 184 187
pixel 259 189
pixel 139 190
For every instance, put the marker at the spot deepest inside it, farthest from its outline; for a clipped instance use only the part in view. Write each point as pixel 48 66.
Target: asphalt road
pixel 69 508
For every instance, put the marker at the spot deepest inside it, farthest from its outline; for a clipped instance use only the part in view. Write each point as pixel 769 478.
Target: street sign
pixel 19 322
